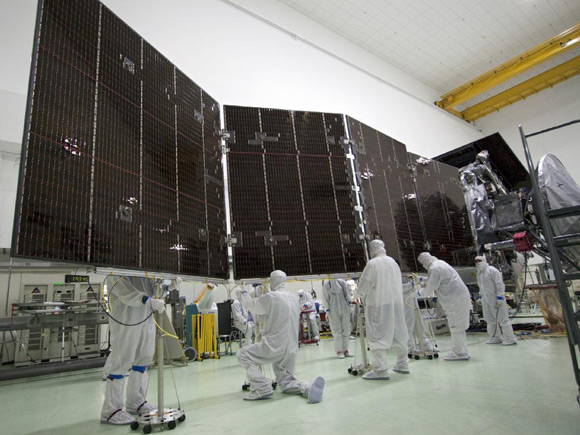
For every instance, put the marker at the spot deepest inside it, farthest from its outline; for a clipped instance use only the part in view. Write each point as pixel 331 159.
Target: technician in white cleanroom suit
pixel 242 320
pixel 380 290
pixel 495 313
pixel 279 344
pixel 132 303
pixel 335 297
pixel 307 304
pixel 454 298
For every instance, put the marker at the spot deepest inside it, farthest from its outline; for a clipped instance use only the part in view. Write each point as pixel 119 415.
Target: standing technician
pixel 380 288
pixel 133 344
pixel 495 313
pixel 455 299
pixel 336 299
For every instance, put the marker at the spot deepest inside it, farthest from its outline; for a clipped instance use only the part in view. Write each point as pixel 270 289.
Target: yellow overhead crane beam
pixel 517 65
pixel 523 90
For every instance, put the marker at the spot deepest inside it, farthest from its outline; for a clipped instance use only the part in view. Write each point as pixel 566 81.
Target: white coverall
pixel 307 303
pixel 259 320
pixel 495 312
pixel 381 291
pixel 335 297
pixel 132 347
pixel 242 321
pixel 411 310
pixel 454 298
pixel 279 344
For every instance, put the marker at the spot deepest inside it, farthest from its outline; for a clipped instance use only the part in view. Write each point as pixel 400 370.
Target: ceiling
pixel 445 43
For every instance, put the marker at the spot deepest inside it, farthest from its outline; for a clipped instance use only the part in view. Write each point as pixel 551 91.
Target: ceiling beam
pixel 519 92
pixel 517 65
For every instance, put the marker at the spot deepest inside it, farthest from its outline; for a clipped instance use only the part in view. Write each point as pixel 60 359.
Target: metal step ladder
pixel 555 246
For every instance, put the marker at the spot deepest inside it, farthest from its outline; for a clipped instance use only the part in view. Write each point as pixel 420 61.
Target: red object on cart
pixel 522 242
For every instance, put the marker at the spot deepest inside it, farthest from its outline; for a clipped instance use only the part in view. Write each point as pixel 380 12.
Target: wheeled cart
pixel 423 337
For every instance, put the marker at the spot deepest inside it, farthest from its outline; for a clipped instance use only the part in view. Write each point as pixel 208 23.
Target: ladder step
pixel 564 212
pixel 567 240
pixel 571 276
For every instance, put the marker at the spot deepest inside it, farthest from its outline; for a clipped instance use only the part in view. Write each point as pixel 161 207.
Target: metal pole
pixel 62 345
pixel 4 344
pixel 160 360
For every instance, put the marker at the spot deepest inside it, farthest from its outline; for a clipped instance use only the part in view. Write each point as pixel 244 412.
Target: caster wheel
pixel 416 356
pixel 135 425
pixel 147 428
pixel 274 385
pixel 355 372
pixel 410 355
pixel 181 419
pixel 171 425
pixel 190 353
pixel 350 370
pixel 245 387
pixel 430 357
pixel 436 355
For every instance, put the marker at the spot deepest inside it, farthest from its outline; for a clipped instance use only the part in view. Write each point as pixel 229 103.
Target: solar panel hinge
pixel 234 240
pixel 228 135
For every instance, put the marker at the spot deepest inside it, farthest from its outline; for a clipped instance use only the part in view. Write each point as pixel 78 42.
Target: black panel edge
pixel 24 149
pixel 508 166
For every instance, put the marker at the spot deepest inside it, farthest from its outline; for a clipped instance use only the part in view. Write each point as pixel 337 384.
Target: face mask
pixel 480 266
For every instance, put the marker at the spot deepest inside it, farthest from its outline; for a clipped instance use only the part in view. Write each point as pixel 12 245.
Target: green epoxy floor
pixel 523 389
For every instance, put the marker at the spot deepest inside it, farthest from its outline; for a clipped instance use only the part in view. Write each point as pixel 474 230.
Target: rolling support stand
pixel 364 365
pixel 170 416
pixel 422 336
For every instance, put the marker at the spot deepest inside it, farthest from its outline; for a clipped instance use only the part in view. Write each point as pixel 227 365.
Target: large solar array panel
pixel 412 204
pixel 121 156
pixel 390 203
pixel 292 204
pixel 443 211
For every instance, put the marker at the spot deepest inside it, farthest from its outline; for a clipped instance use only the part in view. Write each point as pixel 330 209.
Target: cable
pixel 526 271
pixel 166 334
pixel 497 323
pixel 109 315
pixel 23 348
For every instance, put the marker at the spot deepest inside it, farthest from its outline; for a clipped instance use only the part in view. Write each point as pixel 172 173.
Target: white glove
pixel 157 305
